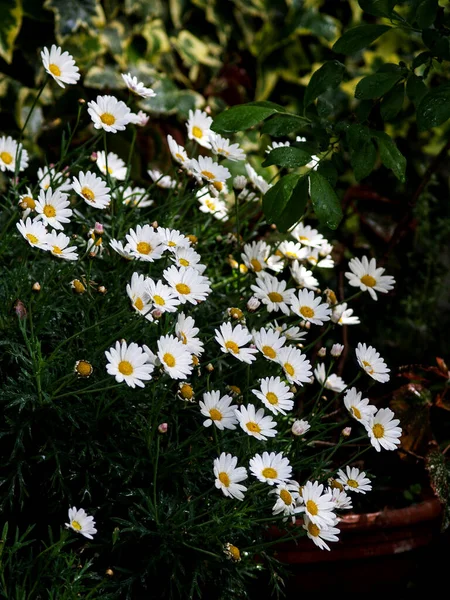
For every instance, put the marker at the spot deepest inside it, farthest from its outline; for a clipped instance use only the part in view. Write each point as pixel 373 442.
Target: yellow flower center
pixel 368 366
pixel 234 552
pixel 171 244
pixel 125 367
pixel 378 430
pixel 312 508
pixel 256 265
pixel 235 389
pixel 183 338
pixel 32 238
pixel 182 288
pixel 6 158
pixel 268 351
pixel 253 427
pixel 313 529
pixel 236 313
pixel 56 250
pixel 210 204
pixel 159 300
pixel 180 157
pixel 232 347
pixel 139 304
pixel 223 478
pixel 144 248
pixel 352 483
pixel 336 485
pixel 286 497
pixel 54 70
pixel 290 254
pixel 289 369
pixel 197 132
pixel 110 170
pixel 215 414
pixel 49 211
pixel 303 238
pixel 169 359
pixel 78 286
pixel 272 398
pixel 307 312
pixel 83 368
pixel 186 391
pixel 218 185
pixel 368 280
pixel 184 262
pixel 88 194
pixel 269 473
pixel 275 297
pixel 208 174
pixel 108 118
pixel 29 202
pixel 76 525
pixel 356 412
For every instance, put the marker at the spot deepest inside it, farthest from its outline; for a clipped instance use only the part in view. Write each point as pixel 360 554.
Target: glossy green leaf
pixel 295 207
pixel 10 23
pixel 358 38
pixel 392 102
pixel 327 169
pixel 70 15
pixel 363 153
pixel 434 108
pixel 326 204
pixel 426 13
pixel 377 8
pixel 280 125
pixel 329 76
pixel 390 155
pixel 287 156
pixel 415 89
pixel 376 85
pixel 277 197
pixel 244 116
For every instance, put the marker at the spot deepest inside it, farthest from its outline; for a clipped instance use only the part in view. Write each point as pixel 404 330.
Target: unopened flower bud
pixel 346 432
pixel 155 224
pixel 83 368
pixel 210 367
pixel 98 228
pixel 337 350
pixel 330 297
pixel 239 182
pixel 232 552
pixel 185 391
pixel 300 427
pixel 322 352
pixel 235 313
pixel 157 313
pixel 192 238
pixel 253 304
pixel 101 289
pixel 78 286
pixel 81 101
pixel 93 157
pixel 163 427
pixel 109 572
pixel 20 309
pixel 36 287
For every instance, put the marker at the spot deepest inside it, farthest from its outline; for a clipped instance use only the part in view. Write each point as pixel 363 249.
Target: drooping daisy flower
pixel 307 236
pixel 144 243
pixel 199 127
pixel 140 118
pixel 208 170
pixel 34 232
pixel 60 65
pixel 137 292
pixel 332 382
pixel 27 203
pixel 317 505
pixel 296 366
pixel 118 247
pixel 343 315
pixel 255 423
pixel 300 427
pixel 273 293
pixel 314 258
pixel 178 152
pixel 92 189
pixel 365 275
pixel 52 208
pixel 219 410
pixel 320 535
pixel 340 499
pixel 186 332
pixel 287 496
pixel 172 239
pixel 275 395
pixel 10 152
pixel 80 522
pixel 259 182
pixel 161 296
pixel 358 407
pixel 187 284
pixel 174 357
pixel 293 250
pixel 310 307
pixel 129 363
pixel 188 257
pixel 383 430
pixel 303 277
pixel 372 363
pixel 233 340
pixel 163 181
pixel 294 334
pixel 59 246
pixel 136 196
pixel 270 468
pixel 354 480
pixel 211 205
pixel 269 342
pixel 137 87
pixel 255 255
pixel 111 164
pixel 109 114
pixel 228 477
pixel 222 147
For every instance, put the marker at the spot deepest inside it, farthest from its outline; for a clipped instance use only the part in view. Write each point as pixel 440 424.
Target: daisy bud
pixel 93 157
pixel 81 101
pixel 101 289
pixel 36 287
pixel 330 297
pixel 98 228
pixel 234 390
pixel 192 238
pixel 78 286
pixel 163 427
pixel 232 552
pixel 253 304
pixel 109 572
pixel 243 269
pixel 322 352
pixel 239 182
pixel 233 263
pixel 346 432
pixel 208 110
pixel 83 368
pixel 185 391
pixel 155 224
pixel 293 389
pixel 335 484
pixel 23 205
pixel 195 360
pixel 210 367
pixel 337 350
pixel 300 427
pixel 20 309
pixel 157 313
pixel 235 313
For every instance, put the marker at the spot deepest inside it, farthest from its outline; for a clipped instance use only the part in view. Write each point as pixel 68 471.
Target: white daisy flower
pixel 320 535
pixel 199 127
pixel 92 189
pixel 109 114
pixel 163 181
pixel 140 118
pixel 144 243
pixel 313 163
pixel 48 177
pixel 129 363
pixel 233 340
pixel 186 332
pixel 175 358
pixel 208 170
pixel 60 65
pixel 337 350
pixel 188 284
pixel 273 293
pixel 27 203
pixel 307 236
pixel 275 145
pixel 354 480
pixel 219 410
pixel 287 497
pixel 340 499
pixel 172 239
pixel 137 197
pixel 268 342
pixel 358 407
pixel 248 196
pixel 310 307
pixel 295 365
pixel 178 153
pixel 332 382
pixel 161 296
pixel 255 256
pixel 255 423
pixel 52 208
pixel 275 395
pixel 293 250
pixel 383 430
pixel 212 205
pixel 10 151
pixel 80 522
pixel 317 504
pixel 259 182
pixel 228 476
pixel 293 334
pixel 365 275
pixel 315 259
pixel 118 247
pixel 34 232
pixel 188 257
pixel 270 468
pixel 372 363
pixel 59 246
pixel 137 292
pixel 222 147
pixel 111 164
pixel 137 87
pixel 343 315
pixel 300 427
pixel 303 277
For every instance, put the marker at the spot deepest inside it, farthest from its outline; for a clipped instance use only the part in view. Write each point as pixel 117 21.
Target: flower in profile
pixel 187 284
pixel 60 65
pixel 124 251
pixel 317 504
pixel 144 243
pixel 222 147
pixel 295 365
pixel 383 430
pixel 372 363
pixel 208 170
pixel 160 296
pixel 232 552
pixel 255 423
pixel 49 177
pixel 140 118
pixel 199 127
pixel 109 114
pixel 178 153
pixel 163 181
pixel 300 427
pixel 340 499
pixel 92 189
pixel 34 232
pixel 10 152
pixel 354 480
pixel 255 255
pixel 294 334
pixel 175 358
pixel 232 340
pixel 80 522
pixel 269 342
pixel 186 332
pixel 273 293
pixel 137 87
pixel 270 468
pixel 275 395
pixel 336 350
pixel 332 382
pixel 172 239
pixel 219 410
pixel 129 363
pixel 358 407
pixel 309 307
pixel 287 497
pixel 52 208
pixel 365 275
pixel 303 277
pixel 59 246
pixel 110 164
pixel 228 477
pixel 307 236
pixel 83 368
pixel 258 182
pixel 27 203
pixel 137 292
pixel 320 535
pixel 211 205
pixel 136 197
pixel 343 315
